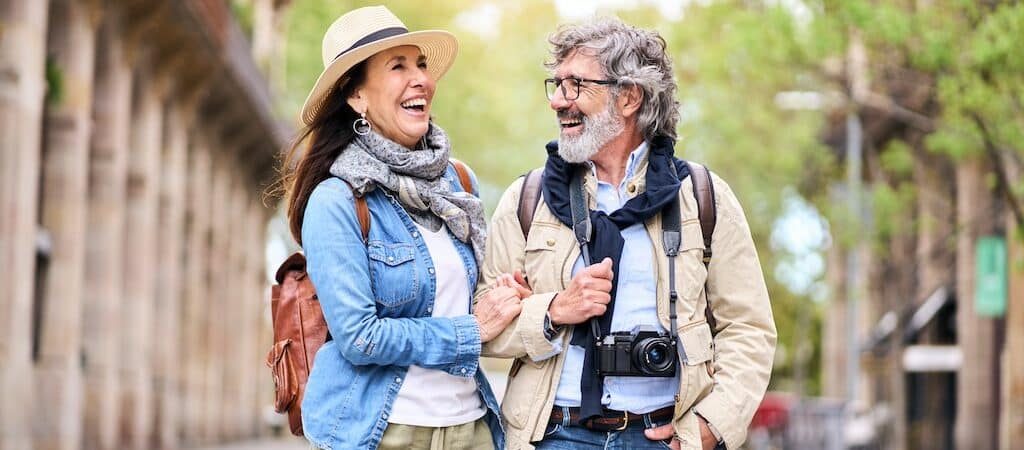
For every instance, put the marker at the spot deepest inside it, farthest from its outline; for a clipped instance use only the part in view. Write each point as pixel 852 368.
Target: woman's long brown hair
pixel 309 159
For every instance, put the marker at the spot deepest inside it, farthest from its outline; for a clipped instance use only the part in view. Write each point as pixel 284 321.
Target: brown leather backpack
pixel 299 325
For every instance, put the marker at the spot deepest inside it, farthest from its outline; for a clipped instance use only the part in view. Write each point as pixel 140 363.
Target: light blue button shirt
pixel 635 304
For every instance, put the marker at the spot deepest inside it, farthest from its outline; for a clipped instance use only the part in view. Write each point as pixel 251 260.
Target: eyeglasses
pixel 570 86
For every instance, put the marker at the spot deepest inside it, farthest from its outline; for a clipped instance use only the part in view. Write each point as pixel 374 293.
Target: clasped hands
pixel 586 296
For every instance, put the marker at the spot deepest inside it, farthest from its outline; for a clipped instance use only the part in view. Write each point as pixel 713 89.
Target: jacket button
pixel 463 370
pixel 631 188
pixel 551 242
pixel 431 270
pixel 391 259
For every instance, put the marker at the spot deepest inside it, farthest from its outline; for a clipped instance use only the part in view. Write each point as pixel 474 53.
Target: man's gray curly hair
pixel 633 56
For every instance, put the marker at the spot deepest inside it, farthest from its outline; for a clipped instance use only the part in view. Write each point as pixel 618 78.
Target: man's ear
pixel 629 100
pixel 357 102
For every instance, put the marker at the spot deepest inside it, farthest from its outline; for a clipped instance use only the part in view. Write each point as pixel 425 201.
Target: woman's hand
pixel 516 281
pixel 495 310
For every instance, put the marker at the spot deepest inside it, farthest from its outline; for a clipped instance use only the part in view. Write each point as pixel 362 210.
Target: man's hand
pixel 666 432
pixel 587 295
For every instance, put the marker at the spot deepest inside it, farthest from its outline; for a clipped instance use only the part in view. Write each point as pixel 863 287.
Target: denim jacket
pixel 377 298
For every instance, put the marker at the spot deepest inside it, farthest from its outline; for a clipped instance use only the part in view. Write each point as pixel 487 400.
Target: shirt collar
pixel 635 157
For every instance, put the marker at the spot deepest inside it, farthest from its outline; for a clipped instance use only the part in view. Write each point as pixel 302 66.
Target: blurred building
pixel 137 138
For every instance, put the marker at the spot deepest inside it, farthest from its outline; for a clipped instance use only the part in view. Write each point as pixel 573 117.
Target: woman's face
pixel 396 95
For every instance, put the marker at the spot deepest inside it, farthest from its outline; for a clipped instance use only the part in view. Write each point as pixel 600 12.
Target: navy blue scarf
pixel 606 241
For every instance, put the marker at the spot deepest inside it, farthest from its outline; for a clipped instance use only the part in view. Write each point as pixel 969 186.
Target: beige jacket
pixel 724 377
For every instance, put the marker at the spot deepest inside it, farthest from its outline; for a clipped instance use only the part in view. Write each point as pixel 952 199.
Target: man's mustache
pixel 566 114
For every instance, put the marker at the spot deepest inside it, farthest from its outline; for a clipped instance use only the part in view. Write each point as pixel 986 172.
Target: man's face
pixel 590 121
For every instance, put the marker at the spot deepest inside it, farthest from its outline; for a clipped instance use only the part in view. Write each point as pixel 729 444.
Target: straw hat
pixel 359 34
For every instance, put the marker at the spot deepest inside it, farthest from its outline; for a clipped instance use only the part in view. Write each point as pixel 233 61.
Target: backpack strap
pixel 463 172
pixel 704 192
pixel 363 214
pixel 529 198
pixel 363 210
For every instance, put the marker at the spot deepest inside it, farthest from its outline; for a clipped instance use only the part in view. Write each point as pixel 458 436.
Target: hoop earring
pixel 361 126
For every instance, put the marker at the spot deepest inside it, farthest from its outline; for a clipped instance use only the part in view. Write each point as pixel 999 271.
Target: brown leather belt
pixel 611 420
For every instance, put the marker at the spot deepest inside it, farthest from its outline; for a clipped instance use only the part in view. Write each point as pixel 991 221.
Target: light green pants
pixel 468 436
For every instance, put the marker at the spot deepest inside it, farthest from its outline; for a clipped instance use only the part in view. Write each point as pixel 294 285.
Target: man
pixel 613 92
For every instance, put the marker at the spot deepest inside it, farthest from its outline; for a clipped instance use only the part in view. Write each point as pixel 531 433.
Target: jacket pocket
pixel 521 393
pixel 393 269
pixel 691 262
pixel 696 354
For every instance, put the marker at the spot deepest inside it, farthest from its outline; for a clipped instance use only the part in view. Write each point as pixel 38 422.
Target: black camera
pixel 642 352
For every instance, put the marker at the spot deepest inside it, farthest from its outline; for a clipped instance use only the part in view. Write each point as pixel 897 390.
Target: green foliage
pixel 897 158
pixel 242 10
pixel 54 82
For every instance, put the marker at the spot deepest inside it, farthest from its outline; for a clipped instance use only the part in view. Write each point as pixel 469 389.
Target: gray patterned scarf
pixel 415 176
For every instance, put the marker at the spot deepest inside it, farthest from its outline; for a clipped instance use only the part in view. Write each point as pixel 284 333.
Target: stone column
pixel 104 266
pixel 216 300
pixel 237 300
pixel 71 46
pixel 140 260
pixel 195 310
pixel 170 257
pixel 22 86
pixel 256 373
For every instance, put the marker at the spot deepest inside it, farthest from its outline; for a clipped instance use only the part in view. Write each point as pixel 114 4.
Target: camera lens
pixel 654 356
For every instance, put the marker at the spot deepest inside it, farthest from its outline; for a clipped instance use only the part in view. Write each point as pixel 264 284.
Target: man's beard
pixel 598 130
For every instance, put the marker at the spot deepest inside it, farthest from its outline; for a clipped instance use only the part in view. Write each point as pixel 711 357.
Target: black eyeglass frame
pixel 579 86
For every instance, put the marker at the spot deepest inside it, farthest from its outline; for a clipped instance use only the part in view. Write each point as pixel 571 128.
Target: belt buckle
pixel 625 421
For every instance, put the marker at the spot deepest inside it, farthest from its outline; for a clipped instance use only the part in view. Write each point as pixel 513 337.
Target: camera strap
pixel 583 229
pixel 671 238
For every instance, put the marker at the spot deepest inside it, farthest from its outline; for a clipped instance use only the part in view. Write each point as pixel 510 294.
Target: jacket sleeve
pixel 338 264
pixel 506 254
pixel 745 333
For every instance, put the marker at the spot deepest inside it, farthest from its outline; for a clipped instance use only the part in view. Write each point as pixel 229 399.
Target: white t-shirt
pixel 429 397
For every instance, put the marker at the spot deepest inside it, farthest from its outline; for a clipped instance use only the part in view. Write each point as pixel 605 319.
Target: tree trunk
pixel 833 359
pixel 64 188
pixel 1012 421
pixel 22 87
pixel 977 387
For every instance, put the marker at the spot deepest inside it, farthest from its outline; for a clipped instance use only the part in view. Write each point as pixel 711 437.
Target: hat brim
pixel 439 47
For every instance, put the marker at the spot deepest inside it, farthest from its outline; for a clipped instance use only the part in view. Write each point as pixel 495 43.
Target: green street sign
pixel 990 276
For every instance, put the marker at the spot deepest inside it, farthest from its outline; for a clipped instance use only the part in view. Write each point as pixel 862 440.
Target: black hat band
pixel 375 36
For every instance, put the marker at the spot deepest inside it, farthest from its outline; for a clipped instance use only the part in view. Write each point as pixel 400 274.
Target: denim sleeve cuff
pixel 467 354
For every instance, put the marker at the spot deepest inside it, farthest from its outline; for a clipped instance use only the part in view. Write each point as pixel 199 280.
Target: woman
pixel 402 368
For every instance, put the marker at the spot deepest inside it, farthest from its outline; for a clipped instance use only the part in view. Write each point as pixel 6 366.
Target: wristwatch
pixel 550 331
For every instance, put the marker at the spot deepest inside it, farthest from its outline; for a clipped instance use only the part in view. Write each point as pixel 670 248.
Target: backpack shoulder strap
pixel 704 192
pixel 529 198
pixel 463 171
pixel 363 214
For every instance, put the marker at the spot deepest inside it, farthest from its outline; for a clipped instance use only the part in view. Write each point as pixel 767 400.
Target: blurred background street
pixel 877 147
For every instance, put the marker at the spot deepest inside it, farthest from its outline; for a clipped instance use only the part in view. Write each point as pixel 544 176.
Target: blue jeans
pixel 563 436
